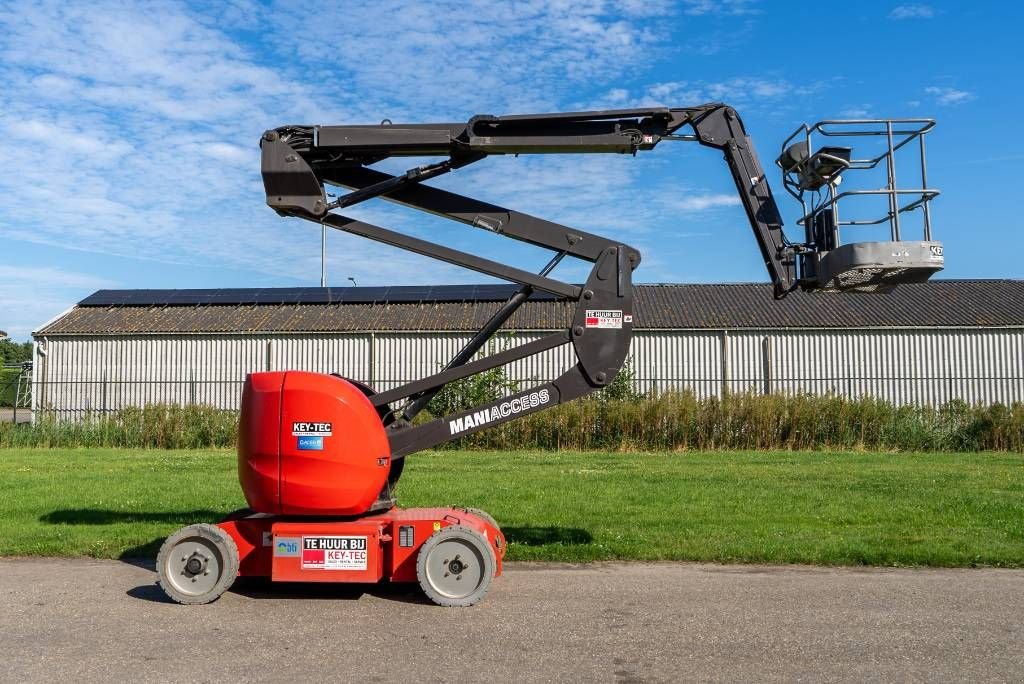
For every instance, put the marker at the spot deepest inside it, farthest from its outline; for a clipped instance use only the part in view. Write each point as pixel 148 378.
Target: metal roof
pixel 940 303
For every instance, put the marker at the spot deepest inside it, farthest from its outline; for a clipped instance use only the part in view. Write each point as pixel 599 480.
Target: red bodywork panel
pixel 310 444
pixel 312 458
pixel 271 546
pixel 259 441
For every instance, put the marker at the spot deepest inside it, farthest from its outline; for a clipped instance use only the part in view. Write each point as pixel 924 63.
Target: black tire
pixel 197 564
pixel 479 513
pixel 449 556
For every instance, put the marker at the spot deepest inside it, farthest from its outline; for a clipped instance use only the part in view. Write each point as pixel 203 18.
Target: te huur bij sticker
pixel 334 553
pixel 604 318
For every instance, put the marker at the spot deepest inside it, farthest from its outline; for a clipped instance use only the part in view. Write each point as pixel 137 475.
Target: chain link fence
pixel 76 399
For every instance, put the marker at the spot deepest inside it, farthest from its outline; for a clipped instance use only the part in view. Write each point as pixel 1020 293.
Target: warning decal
pixel 604 318
pixel 334 553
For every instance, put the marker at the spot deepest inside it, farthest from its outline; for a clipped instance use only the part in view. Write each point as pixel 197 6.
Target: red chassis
pixel 316 470
pixel 275 547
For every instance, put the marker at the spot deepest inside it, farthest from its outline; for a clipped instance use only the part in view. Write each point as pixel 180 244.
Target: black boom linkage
pixel 297 162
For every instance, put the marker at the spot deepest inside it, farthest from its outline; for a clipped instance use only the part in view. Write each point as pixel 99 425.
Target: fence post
pixel 725 363
pixel 766 361
pixel 371 360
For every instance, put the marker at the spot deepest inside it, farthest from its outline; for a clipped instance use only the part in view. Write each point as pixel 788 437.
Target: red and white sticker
pixel 604 318
pixel 334 553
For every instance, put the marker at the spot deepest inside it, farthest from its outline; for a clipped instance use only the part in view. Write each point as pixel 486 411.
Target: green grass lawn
pixel 822 508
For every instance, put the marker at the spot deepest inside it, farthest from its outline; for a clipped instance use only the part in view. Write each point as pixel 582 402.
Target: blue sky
pixel 131 129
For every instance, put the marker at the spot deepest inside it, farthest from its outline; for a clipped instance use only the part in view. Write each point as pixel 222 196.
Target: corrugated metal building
pixel 921 344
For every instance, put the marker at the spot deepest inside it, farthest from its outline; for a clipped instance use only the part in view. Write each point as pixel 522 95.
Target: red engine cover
pixel 309 444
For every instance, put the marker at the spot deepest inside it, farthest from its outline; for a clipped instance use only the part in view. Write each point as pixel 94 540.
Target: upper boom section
pixel 617 130
pixel 298 160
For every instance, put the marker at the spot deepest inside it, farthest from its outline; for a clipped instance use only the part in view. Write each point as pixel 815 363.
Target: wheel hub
pixel 196 564
pixel 456 566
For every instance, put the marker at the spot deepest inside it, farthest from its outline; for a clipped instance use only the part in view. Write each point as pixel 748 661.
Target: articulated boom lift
pixel 319 455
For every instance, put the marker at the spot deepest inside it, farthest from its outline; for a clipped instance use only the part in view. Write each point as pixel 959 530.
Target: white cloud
pixel 705 202
pixel 429 60
pixel 856 112
pixel 29 294
pixel 912 12
pixel 60 137
pixel 949 96
pixel 46 277
pixel 228 153
pixel 724 7
pixel 740 90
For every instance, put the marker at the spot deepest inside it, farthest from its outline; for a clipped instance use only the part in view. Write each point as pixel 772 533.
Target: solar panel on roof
pixel 306 295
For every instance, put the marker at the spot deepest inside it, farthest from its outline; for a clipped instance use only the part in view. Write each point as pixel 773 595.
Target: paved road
pixel 105 620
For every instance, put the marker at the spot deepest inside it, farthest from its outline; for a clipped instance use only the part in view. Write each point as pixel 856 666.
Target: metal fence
pixel 88 375
pixel 16 392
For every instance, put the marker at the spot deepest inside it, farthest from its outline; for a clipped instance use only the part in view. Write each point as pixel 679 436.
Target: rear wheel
pixel 197 564
pixel 455 566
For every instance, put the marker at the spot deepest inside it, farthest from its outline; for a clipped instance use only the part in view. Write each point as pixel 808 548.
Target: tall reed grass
pixel 679 421
pixel 157 426
pixel 668 422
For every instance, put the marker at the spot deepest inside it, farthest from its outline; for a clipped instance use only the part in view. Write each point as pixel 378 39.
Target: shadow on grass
pixel 142 555
pixel 540 536
pixel 100 516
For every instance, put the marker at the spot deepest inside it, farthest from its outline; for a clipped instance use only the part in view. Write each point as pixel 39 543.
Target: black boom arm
pixel 298 161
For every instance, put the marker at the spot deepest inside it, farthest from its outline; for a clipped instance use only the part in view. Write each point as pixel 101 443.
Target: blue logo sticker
pixel 311 443
pixel 286 546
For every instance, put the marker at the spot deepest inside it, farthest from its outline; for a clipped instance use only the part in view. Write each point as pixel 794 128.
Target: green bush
pixel 8 385
pixel 475 390
pixel 15 352
pixel 667 422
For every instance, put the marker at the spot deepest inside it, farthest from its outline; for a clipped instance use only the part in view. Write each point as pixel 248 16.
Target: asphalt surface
pixel 106 621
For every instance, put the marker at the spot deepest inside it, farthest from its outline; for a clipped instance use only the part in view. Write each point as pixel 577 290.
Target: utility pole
pixel 323 255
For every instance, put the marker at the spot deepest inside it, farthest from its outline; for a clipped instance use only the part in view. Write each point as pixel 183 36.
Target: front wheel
pixel 455 566
pixel 197 564
pixel 483 515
